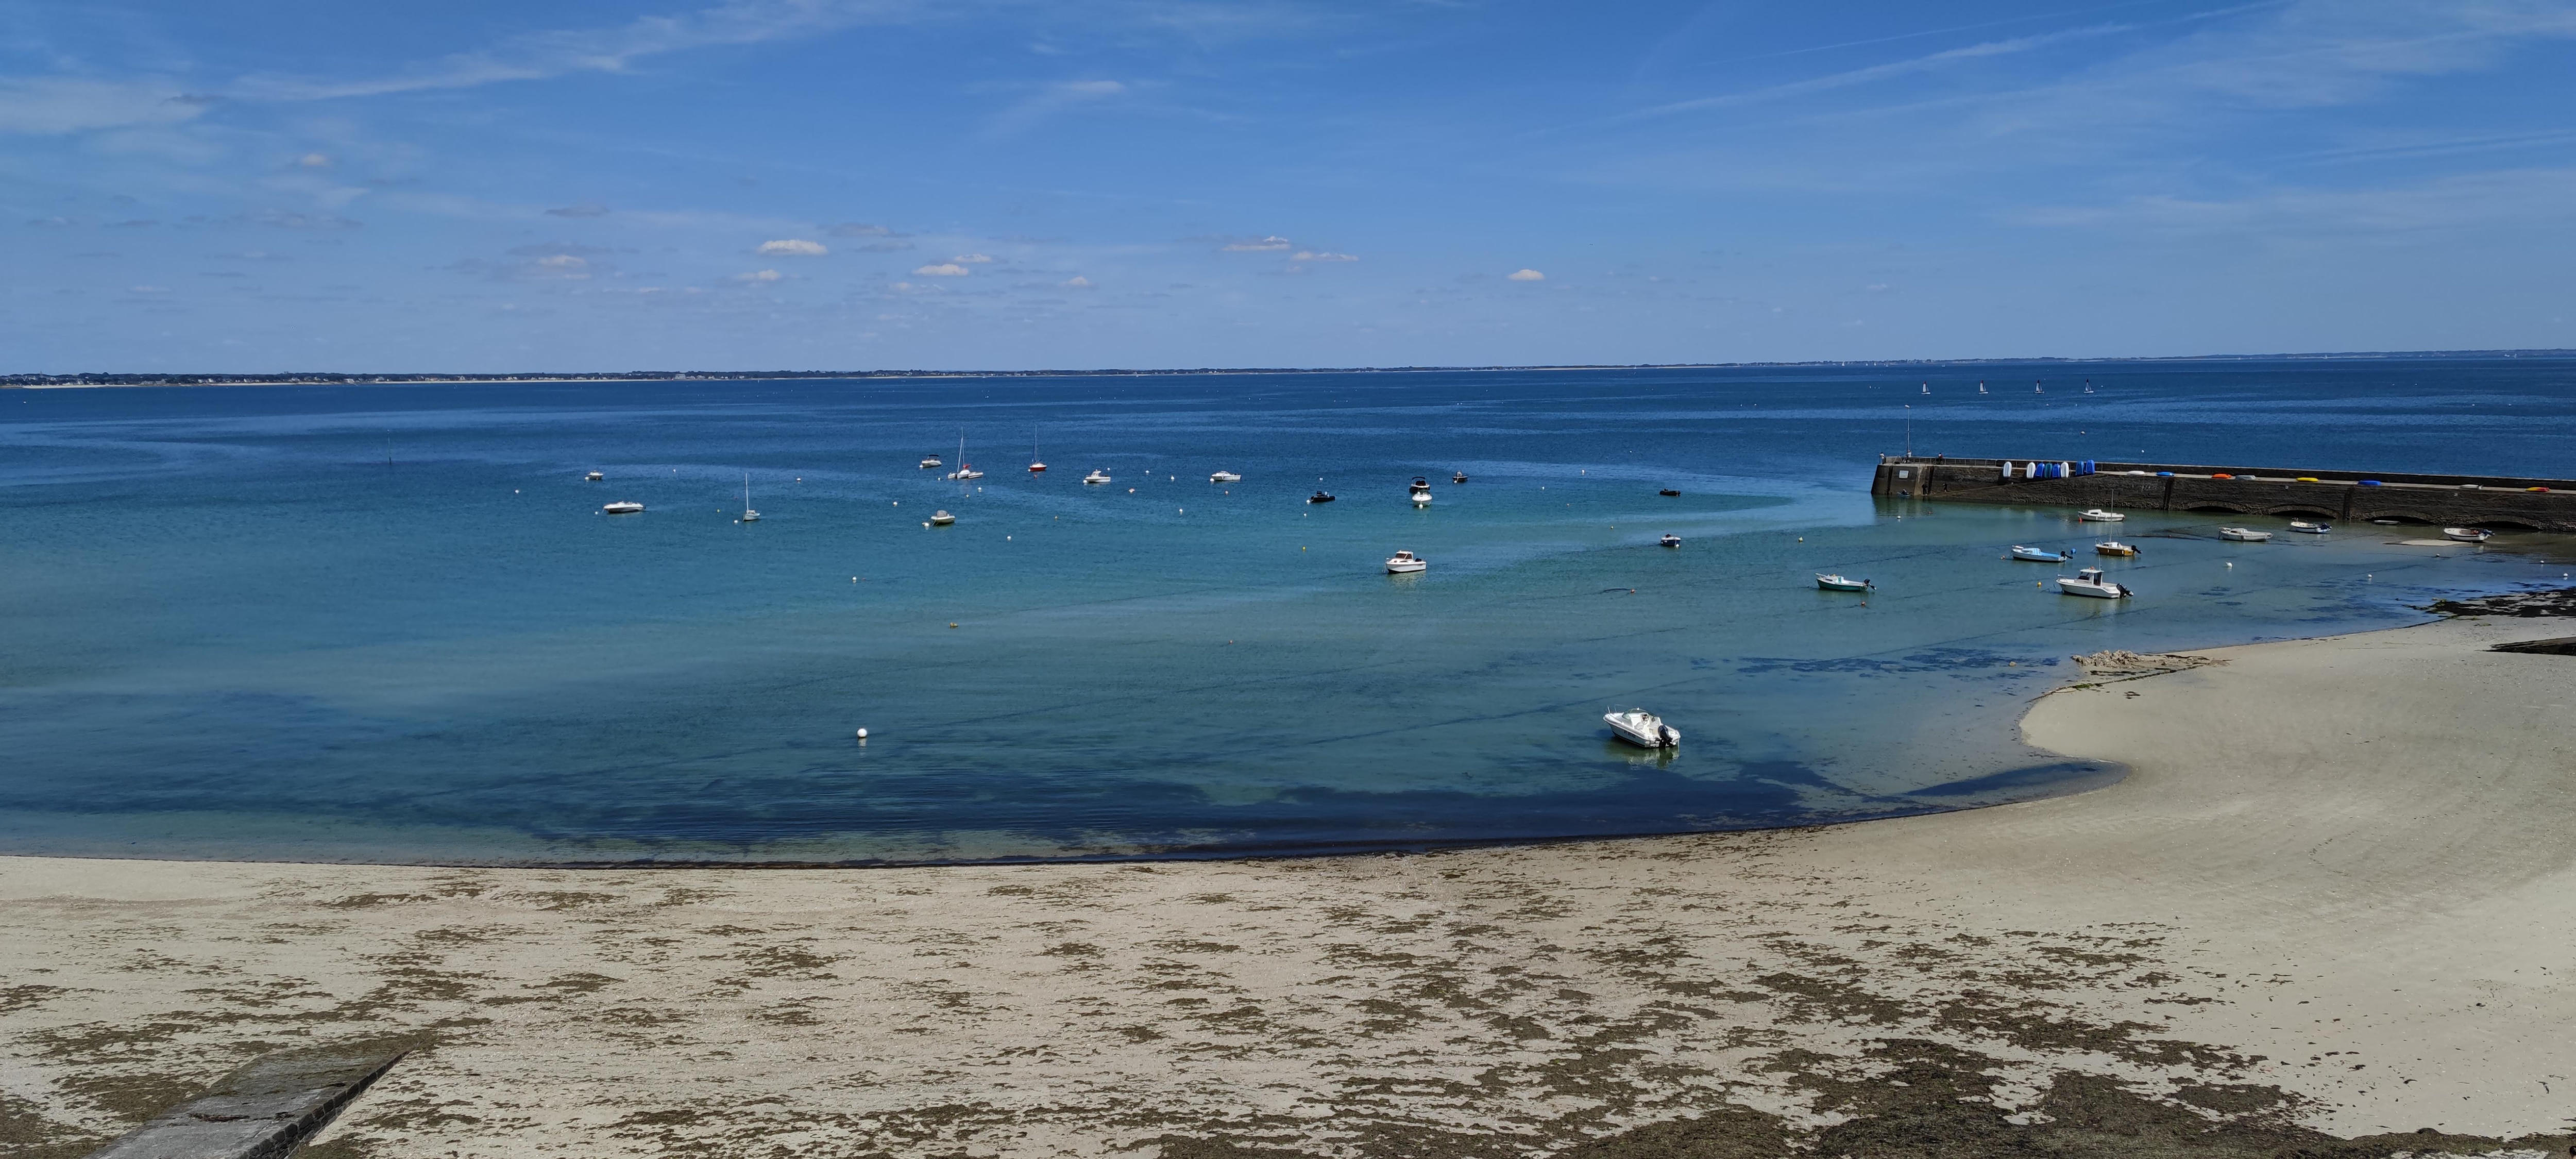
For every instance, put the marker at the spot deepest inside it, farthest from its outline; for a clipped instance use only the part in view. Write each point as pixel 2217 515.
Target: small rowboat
pixel 2468 534
pixel 2310 528
pixel 2114 547
pixel 2244 534
pixel 1836 583
pixel 2038 554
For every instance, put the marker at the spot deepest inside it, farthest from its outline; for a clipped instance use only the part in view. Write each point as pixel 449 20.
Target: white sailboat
pixel 1036 464
pixel 748 515
pixel 965 470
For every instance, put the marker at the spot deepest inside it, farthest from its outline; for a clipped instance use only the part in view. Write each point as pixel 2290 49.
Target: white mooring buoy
pixel 863 734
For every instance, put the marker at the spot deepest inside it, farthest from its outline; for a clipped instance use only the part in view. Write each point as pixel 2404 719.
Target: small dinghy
pixel 2244 534
pixel 942 518
pixel 1406 563
pixel 2114 547
pixel 1668 493
pixel 1421 491
pixel 593 477
pixel 2468 534
pixel 2039 554
pixel 2089 582
pixel 1640 727
pixel 2097 515
pixel 2310 528
pixel 1320 497
pixel 623 507
pixel 1096 476
pixel 1837 583
pixel 1460 477
pixel 1225 477
pixel 1670 540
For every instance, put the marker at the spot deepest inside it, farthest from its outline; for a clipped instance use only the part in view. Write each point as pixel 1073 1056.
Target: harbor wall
pixel 2501 502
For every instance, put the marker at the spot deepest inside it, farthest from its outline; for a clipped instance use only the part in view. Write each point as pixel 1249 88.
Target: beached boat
pixel 2468 534
pixel 1640 727
pixel 2304 528
pixel 942 518
pixel 748 515
pixel 593 477
pixel 2039 554
pixel 1225 477
pixel 2243 534
pixel 1320 497
pixel 1670 540
pixel 2097 515
pixel 1096 476
pixel 1836 583
pixel 1406 563
pixel 1421 491
pixel 623 507
pixel 2114 547
pixel 2089 582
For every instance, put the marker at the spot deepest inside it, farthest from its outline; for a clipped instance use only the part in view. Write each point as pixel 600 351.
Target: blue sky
pixel 287 184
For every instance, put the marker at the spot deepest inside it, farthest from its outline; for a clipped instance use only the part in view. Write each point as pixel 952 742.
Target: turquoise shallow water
pixel 389 623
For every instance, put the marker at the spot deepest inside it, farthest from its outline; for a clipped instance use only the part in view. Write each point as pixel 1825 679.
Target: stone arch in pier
pixel 2224 508
pixel 2305 510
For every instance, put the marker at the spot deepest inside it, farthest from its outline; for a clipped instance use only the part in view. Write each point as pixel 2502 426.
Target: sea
pixel 390 623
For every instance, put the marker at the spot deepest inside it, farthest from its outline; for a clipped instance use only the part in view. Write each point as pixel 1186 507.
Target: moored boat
pixel 1460 477
pixel 1406 563
pixel 593 477
pixel 1225 477
pixel 623 507
pixel 1668 492
pixel 1096 476
pixel 2097 515
pixel 929 461
pixel 2039 554
pixel 2089 582
pixel 2114 547
pixel 2468 534
pixel 1834 582
pixel 1670 540
pixel 942 518
pixel 1320 497
pixel 1640 727
pixel 2305 528
pixel 2243 534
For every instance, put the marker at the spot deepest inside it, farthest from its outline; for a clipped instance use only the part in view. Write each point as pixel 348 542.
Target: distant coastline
pixel 324 378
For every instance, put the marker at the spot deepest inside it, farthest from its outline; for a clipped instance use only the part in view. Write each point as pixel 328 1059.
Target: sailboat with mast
pixel 748 515
pixel 965 470
pixel 1037 466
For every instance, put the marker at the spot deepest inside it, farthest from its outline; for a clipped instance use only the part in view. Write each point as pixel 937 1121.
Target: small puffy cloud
pixel 314 161
pixel 1320 256
pixel 972 259
pixel 1525 275
pixel 1077 282
pixel 757 276
pixel 585 209
pixel 794 246
pixel 943 270
pixel 1259 245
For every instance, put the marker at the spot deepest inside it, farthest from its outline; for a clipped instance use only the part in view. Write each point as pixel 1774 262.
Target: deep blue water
pixel 389 623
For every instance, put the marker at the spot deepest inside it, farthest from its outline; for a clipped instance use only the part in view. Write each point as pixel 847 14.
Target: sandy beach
pixel 2336 894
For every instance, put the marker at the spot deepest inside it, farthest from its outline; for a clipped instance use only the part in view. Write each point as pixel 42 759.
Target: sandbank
pixel 2337 892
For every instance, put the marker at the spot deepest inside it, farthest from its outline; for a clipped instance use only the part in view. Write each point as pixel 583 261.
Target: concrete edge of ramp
pixel 264 1110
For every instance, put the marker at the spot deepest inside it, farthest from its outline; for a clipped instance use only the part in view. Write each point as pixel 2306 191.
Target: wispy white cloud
pixel 48 105
pixel 794 247
pixel 1861 76
pixel 1320 256
pixel 1525 275
pixel 1259 245
pixel 2515 197
pixel 759 276
pixel 972 259
pixel 943 270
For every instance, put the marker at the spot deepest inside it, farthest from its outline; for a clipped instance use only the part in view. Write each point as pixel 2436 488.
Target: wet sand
pixel 2336 893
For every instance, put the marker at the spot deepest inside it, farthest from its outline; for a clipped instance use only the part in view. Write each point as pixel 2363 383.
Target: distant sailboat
pixel 1036 464
pixel 2088 386
pixel 1981 388
pixel 748 515
pixel 1927 388
pixel 2034 387
pixel 965 470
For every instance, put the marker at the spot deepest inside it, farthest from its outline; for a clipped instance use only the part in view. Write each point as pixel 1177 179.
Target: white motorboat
pixel 593 477
pixel 2039 554
pixel 2097 515
pixel 2468 534
pixel 2114 547
pixel 2244 534
pixel 1096 476
pixel 1640 727
pixel 942 518
pixel 929 461
pixel 748 515
pixel 1670 540
pixel 1225 477
pixel 2089 582
pixel 2310 528
pixel 623 507
pixel 1421 490
pixel 1406 563
pixel 1834 582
